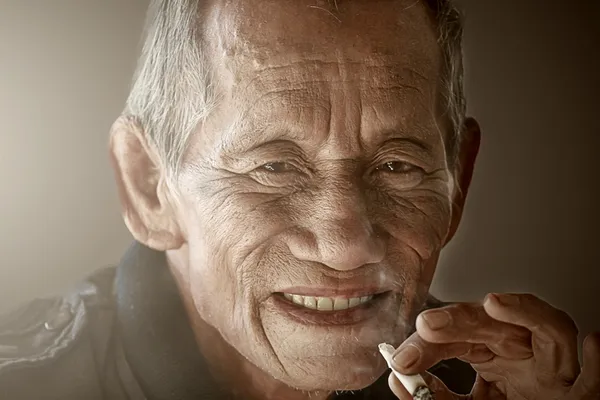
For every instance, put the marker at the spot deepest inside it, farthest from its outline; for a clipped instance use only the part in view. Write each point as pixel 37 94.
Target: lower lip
pixel 349 316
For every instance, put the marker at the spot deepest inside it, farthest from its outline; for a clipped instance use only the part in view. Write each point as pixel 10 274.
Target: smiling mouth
pixel 324 304
pixel 338 310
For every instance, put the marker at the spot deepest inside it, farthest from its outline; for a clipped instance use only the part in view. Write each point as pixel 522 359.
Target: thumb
pixel 587 385
pixel 437 387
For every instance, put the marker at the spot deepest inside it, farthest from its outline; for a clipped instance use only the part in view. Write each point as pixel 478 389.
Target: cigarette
pixel 414 384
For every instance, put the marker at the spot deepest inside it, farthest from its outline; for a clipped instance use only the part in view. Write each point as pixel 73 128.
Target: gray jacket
pixel 123 335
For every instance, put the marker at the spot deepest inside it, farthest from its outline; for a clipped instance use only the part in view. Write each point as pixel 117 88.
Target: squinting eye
pixel 277 167
pixel 397 167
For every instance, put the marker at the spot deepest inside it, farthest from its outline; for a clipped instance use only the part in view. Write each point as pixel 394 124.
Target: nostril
pixel 342 244
pixel 351 253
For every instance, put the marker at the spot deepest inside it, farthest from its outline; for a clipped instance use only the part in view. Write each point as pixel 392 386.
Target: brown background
pixel 531 222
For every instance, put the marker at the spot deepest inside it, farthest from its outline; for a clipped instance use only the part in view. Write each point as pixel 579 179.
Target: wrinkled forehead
pixel 248 35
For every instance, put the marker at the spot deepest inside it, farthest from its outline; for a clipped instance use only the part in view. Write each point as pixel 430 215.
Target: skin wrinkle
pixel 250 234
pixel 254 311
pixel 293 137
pixel 270 84
pixel 407 207
pixel 327 11
pixel 370 69
pixel 423 212
pixel 261 99
pixel 420 150
pixel 407 204
pixel 282 134
pixel 234 183
pixel 443 142
pixel 269 342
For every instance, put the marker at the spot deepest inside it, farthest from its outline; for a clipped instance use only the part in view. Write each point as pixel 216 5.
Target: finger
pixel 478 354
pixel 483 389
pixel 554 334
pixel 398 388
pixel 587 385
pixel 439 390
pixel 466 322
pixel 416 355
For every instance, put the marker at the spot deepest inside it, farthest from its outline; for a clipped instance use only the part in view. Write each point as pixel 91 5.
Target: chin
pixel 353 372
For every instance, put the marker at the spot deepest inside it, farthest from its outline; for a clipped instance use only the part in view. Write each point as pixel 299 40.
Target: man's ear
pixel 465 164
pixel 145 199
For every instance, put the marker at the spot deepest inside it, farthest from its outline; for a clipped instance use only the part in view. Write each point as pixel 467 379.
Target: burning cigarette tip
pixel 423 393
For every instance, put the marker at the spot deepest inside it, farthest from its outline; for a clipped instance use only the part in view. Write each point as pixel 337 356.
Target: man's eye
pixel 277 167
pixel 399 167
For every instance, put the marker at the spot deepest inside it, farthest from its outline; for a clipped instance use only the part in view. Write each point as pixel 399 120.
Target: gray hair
pixel 173 90
pixel 449 21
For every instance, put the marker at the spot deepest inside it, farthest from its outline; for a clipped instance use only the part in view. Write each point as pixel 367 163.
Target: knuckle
pixel 545 343
pixel 486 367
pixel 561 325
pixel 515 344
pixel 568 323
pixel 553 321
pixel 461 308
pixel 590 386
pixel 530 298
pixel 545 377
pixel 591 343
pixel 478 354
pixel 565 381
pixel 555 384
pixel 467 313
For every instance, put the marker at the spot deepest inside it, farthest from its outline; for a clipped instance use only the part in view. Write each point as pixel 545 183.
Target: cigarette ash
pixel 423 393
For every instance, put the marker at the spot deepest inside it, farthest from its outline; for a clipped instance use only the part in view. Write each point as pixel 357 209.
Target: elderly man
pixel 290 171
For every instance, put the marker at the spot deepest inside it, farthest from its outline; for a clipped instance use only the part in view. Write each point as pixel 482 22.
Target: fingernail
pixel 509 300
pixel 436 319
pixel 407 357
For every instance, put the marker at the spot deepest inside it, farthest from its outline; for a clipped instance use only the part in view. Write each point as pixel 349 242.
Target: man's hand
pixel 520 346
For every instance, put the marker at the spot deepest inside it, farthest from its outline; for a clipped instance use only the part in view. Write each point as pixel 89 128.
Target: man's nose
pixel 338 233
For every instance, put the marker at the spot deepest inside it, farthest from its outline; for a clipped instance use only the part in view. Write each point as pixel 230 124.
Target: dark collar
pixel 157 340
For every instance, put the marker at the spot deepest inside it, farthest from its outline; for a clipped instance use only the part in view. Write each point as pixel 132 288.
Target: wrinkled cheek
pixel 222 302
pixel 422 225
pixel 211 280
pixel 420 245
pixel 418 226
pixel 212 287
pixel 222 297
pixel 232 310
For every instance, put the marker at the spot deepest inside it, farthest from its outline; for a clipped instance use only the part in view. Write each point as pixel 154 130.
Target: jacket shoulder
pixel 56 340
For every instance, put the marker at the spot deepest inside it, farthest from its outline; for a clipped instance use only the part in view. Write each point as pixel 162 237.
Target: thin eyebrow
pixel 268 135
pixel 421 148
pixel 255 139
pixel 421 144
pixel 267 131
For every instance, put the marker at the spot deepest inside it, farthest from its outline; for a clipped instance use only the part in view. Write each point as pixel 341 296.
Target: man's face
pixel 322 174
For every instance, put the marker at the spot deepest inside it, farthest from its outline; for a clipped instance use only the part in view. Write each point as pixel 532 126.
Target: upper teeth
pixel 326 303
